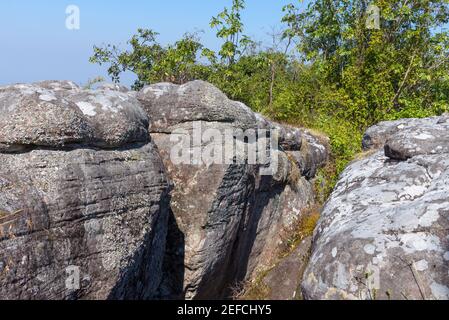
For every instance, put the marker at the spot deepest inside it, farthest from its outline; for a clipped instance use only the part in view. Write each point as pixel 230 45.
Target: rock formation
pixel 96 204
pixel 227 218
pixel 86 193
pixel 83 195
pixel 384 231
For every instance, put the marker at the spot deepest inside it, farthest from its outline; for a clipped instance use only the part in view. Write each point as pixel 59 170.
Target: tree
pixel 229 27
pixel 397 68
pixel 151 62
pixel 181 61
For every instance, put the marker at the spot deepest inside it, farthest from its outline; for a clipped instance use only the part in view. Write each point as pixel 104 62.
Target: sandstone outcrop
pixel 90 191
pixel 384 231
pixel 83 195
pixel 227 217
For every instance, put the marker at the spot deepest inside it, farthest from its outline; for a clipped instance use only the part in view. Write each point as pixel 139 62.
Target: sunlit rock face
pixel 227 218
pixel 384 231
pixel 83 195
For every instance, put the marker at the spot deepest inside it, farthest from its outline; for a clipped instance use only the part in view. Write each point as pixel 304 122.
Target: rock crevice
pixel 230 215
pixel 92 205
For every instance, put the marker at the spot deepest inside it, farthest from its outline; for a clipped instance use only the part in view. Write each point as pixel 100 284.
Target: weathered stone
pixel 227 217
pixel 170 105
pixel 126 121
pixel 290 138
pixel 431 137
pixel 376 136
pixel 53 114
pixel 67 207
pixel 312 155
pixel 383 233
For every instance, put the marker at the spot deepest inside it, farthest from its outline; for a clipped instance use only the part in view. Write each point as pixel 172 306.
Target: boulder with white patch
pixel 384 231
pixel 60 114
pixel 83 195
pixel 171 105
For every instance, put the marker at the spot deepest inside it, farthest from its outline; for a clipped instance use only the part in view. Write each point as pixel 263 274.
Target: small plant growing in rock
pixel 303 228
pixel 92 82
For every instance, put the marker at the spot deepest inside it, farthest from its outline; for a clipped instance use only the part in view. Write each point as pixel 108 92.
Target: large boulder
pixel 49 115
pixel 83 195
pixel 227 216
pixel 384 231
pixel 87 209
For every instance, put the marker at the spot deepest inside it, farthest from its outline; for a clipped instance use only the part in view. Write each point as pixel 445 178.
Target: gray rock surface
pixel 86 185
pixel 172 105
pixel 226 217
pixel 384 231
pixel 81 189
pixel 59 114
pixel 283 281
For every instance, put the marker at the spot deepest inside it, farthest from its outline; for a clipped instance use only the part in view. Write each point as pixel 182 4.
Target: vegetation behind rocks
pixel 335 67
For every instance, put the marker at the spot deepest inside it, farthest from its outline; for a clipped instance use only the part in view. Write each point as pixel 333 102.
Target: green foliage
pixel 340 78
pixel 378 72
pixel 151 62
pixel 355 76
pixel 229 28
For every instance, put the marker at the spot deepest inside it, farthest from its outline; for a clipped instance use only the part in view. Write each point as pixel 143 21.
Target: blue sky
pixel 35 45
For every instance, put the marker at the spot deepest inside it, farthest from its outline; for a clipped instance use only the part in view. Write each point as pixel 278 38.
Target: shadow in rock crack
pixel 172 286
pixel 246 246
pixel 232 268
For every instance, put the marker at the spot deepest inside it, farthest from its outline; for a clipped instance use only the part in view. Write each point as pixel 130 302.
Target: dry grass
pixel 303 228
pixel 7 221
pixel 4 214
pixel 322 137
pixel 364 154
pixel 253 290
